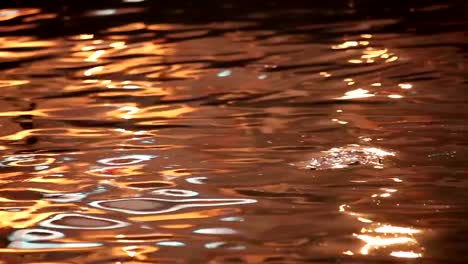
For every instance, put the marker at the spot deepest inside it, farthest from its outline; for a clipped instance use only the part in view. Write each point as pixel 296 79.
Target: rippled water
pixel 300 132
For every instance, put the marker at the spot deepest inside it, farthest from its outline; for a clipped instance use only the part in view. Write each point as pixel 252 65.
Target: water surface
pixel 301 132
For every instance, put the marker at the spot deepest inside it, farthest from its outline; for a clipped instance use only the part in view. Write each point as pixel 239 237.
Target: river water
pixel 233 132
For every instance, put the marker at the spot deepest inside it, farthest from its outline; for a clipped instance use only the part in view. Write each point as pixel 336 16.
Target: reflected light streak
pixel 95 56
pixel 405 254
pixel 80 219
pixel 128 205
pixel 325 74
pixel 117 45
pixel 358 93
pixel 86 36
pixel 392 59
pixel 8 83
pixel 373 53
pixel 354 61
pixel 377 241
pixel 396 230
pixel 345 45
pixel 216 231
pixel 405 86
pixel 93 70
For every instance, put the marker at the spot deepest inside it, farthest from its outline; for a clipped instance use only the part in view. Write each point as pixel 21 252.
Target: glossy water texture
pixel 300 132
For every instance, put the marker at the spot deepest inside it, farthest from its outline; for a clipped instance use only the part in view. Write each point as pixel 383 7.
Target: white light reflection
pixel 29 245
pixel 130 111
pixel 64 197
pixel 157 202
pixel 196 180
pixel 224 245
pixel 395 96
pixel 171 243
pixel 378 235
pixel 105 12
pixel 126 160
pixel 35 234
pixel 93 70
pixel 224 73
pixel 216 231
pixel 175 192
pixel 405 86
pixel 358 93
pixel 405 254
pixel 396 230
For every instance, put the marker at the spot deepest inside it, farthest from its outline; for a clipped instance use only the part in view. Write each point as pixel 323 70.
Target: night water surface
pixel 233 131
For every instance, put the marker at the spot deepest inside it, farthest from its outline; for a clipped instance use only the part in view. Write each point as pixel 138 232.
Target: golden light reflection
pixel 358 93
pixel 371 53
pixel 392 59
pixel 8 14
pixel 405 86
pixel 405 254
pixel 93 70
pixel 396 230
pixel 39 17
pixel 87 48
pixel 354 61
pixel 174 173
pixel 139 252
pixel 27 215
pixel 345 45
pixel 325 74
pixel 385 235
pixel 116 171
pixel 132 111
pixel 395 96
pixel 117 45
pixel 19 113
pixel 75 132
pixel 191 215
pixel 177 226
pixel 379 236
pixel 8 83
pixel 86 36
pixel 364 220
pixel 95 55
pixel 128 27
pixel 374 242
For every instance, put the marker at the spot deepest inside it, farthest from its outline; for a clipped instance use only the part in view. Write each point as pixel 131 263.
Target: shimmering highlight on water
pixel 233 132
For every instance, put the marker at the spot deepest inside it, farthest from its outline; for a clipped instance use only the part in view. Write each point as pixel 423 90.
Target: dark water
pixel 235 132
